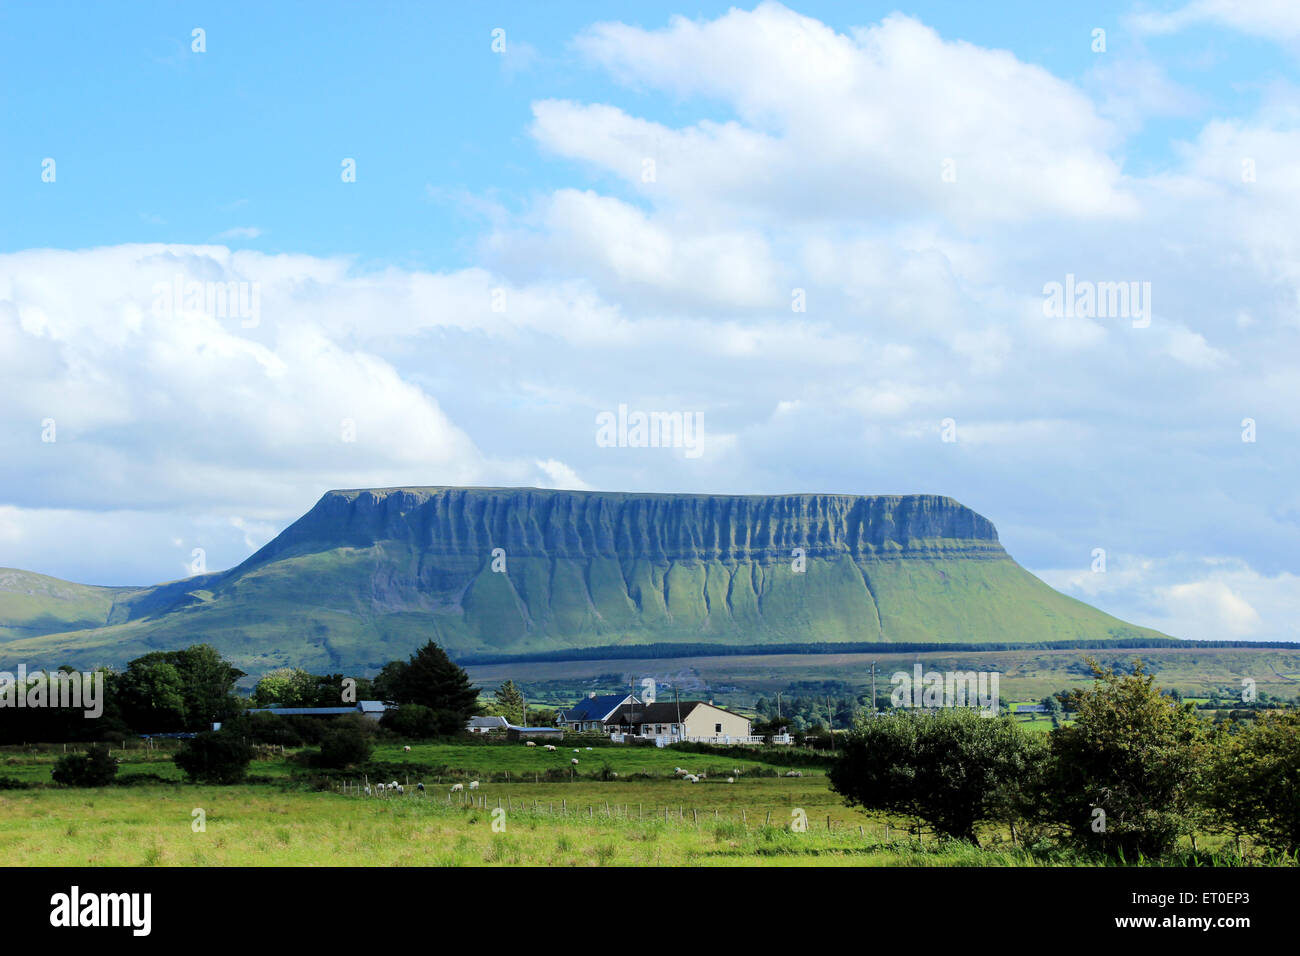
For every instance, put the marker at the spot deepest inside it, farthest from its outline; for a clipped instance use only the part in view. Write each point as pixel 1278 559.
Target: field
pixel 642 817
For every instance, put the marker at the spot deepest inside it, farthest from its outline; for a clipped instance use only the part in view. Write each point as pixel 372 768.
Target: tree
pixel 953 769
pixel 346 743
pixel 177 690
pixel 287 687
pixel 431 679
pixel 509 701
pixel 215 757
pixel 1123 777
pixel 95 768
pixel 1253 781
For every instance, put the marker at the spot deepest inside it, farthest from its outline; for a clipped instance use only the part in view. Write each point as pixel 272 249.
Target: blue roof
pixel 594 708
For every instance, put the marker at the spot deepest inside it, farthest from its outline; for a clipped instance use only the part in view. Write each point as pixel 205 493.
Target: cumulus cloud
pixel 789 260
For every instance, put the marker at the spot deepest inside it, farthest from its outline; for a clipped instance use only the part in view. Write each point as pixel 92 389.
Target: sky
pixel 248 255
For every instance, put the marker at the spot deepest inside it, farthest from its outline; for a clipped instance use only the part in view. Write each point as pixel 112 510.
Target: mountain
pixel 367 575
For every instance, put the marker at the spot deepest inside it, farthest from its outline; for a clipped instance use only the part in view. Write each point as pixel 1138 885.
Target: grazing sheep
pixel 613 773
pixel 420 787
pixel 549 747
pixel 530 743
pixel 473 784
pixel 588 748
pixel 393 785
pixel 794 773
pixel 367 790
pixel 457 786
pixel 407 748
pixel 575 750
pixel 401 789
pixel 574 761
pixel 731 780
pixel 691 778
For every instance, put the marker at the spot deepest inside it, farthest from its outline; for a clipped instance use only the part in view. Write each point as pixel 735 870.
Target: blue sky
pixel 157 144
pixel 502 271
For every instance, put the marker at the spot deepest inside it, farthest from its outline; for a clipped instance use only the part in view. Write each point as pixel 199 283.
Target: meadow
pixel 285 817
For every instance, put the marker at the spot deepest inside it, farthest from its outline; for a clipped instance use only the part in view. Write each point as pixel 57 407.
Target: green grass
pixel 661 821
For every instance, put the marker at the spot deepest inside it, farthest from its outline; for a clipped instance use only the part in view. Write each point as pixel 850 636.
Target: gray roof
pixel 488 722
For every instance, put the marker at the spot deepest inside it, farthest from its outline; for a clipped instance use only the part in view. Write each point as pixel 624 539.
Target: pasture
pixel 285 816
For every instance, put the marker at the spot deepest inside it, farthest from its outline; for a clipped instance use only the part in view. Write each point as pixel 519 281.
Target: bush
pixel 215 757
pixel 95 768
pixel 342 747
pixel 1132 754
pixel 1251 784
pixel 952 769
pixel 418 722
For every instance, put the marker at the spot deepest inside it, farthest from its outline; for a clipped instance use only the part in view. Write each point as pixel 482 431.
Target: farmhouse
pixel 486 725
pixel 692 720
pixel 592 712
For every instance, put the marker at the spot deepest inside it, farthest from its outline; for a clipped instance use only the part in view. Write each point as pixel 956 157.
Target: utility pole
pixel 873 688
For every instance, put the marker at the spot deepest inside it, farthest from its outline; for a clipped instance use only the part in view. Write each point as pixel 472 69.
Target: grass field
pixel 279 819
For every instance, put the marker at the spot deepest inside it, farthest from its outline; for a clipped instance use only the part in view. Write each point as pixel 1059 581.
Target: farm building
pixel 374 709
pixel 692 720
pixel 592 712
pixel 486 725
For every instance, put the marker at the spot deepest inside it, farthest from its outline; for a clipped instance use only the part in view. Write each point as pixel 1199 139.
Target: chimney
pixel 710 701
pixel 592 695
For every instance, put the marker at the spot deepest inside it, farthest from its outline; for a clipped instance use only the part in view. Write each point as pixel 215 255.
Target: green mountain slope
pixel 367 575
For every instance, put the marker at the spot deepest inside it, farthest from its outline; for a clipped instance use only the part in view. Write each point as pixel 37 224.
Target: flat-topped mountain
pixel 367 575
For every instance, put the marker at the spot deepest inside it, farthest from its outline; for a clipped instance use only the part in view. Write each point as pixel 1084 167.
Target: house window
pixel 717 728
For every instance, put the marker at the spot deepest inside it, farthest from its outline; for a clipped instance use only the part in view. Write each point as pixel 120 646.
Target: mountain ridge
pixel 366 574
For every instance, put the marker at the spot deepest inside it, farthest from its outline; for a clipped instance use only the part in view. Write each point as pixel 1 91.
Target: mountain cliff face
pixel 367 575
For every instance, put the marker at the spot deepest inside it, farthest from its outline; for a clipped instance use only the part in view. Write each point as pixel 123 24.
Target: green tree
pixel 431 679
pixel 509 702
pixel 1253 781
pixel 95 768
pixel 953 769
pixel 346 743
pixel 1123 777
pixel 215 757
pixel 287 687
pixel 177 690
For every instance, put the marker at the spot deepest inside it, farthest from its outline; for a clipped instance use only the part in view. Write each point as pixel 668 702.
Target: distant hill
pixel 367 575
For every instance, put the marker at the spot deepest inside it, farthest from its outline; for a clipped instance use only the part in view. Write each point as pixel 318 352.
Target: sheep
pixel 549 747
pixel 530 743
pixel 691 778
pixel 575 750
pixel 455 787
pixel 393 785
pixel 473 784
pixel 401 789
pixel 407 748
pixel 574 761
pixel 794 773
pixel 420 787
pixel 731 780
pixel 614 774
pixel 588 748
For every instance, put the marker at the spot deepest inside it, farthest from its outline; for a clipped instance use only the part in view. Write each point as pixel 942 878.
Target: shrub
pixel 1132 754
pixel 95 768
pixel 952 769
pixel 342 747
pixel 215 757
pixel 1251 786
